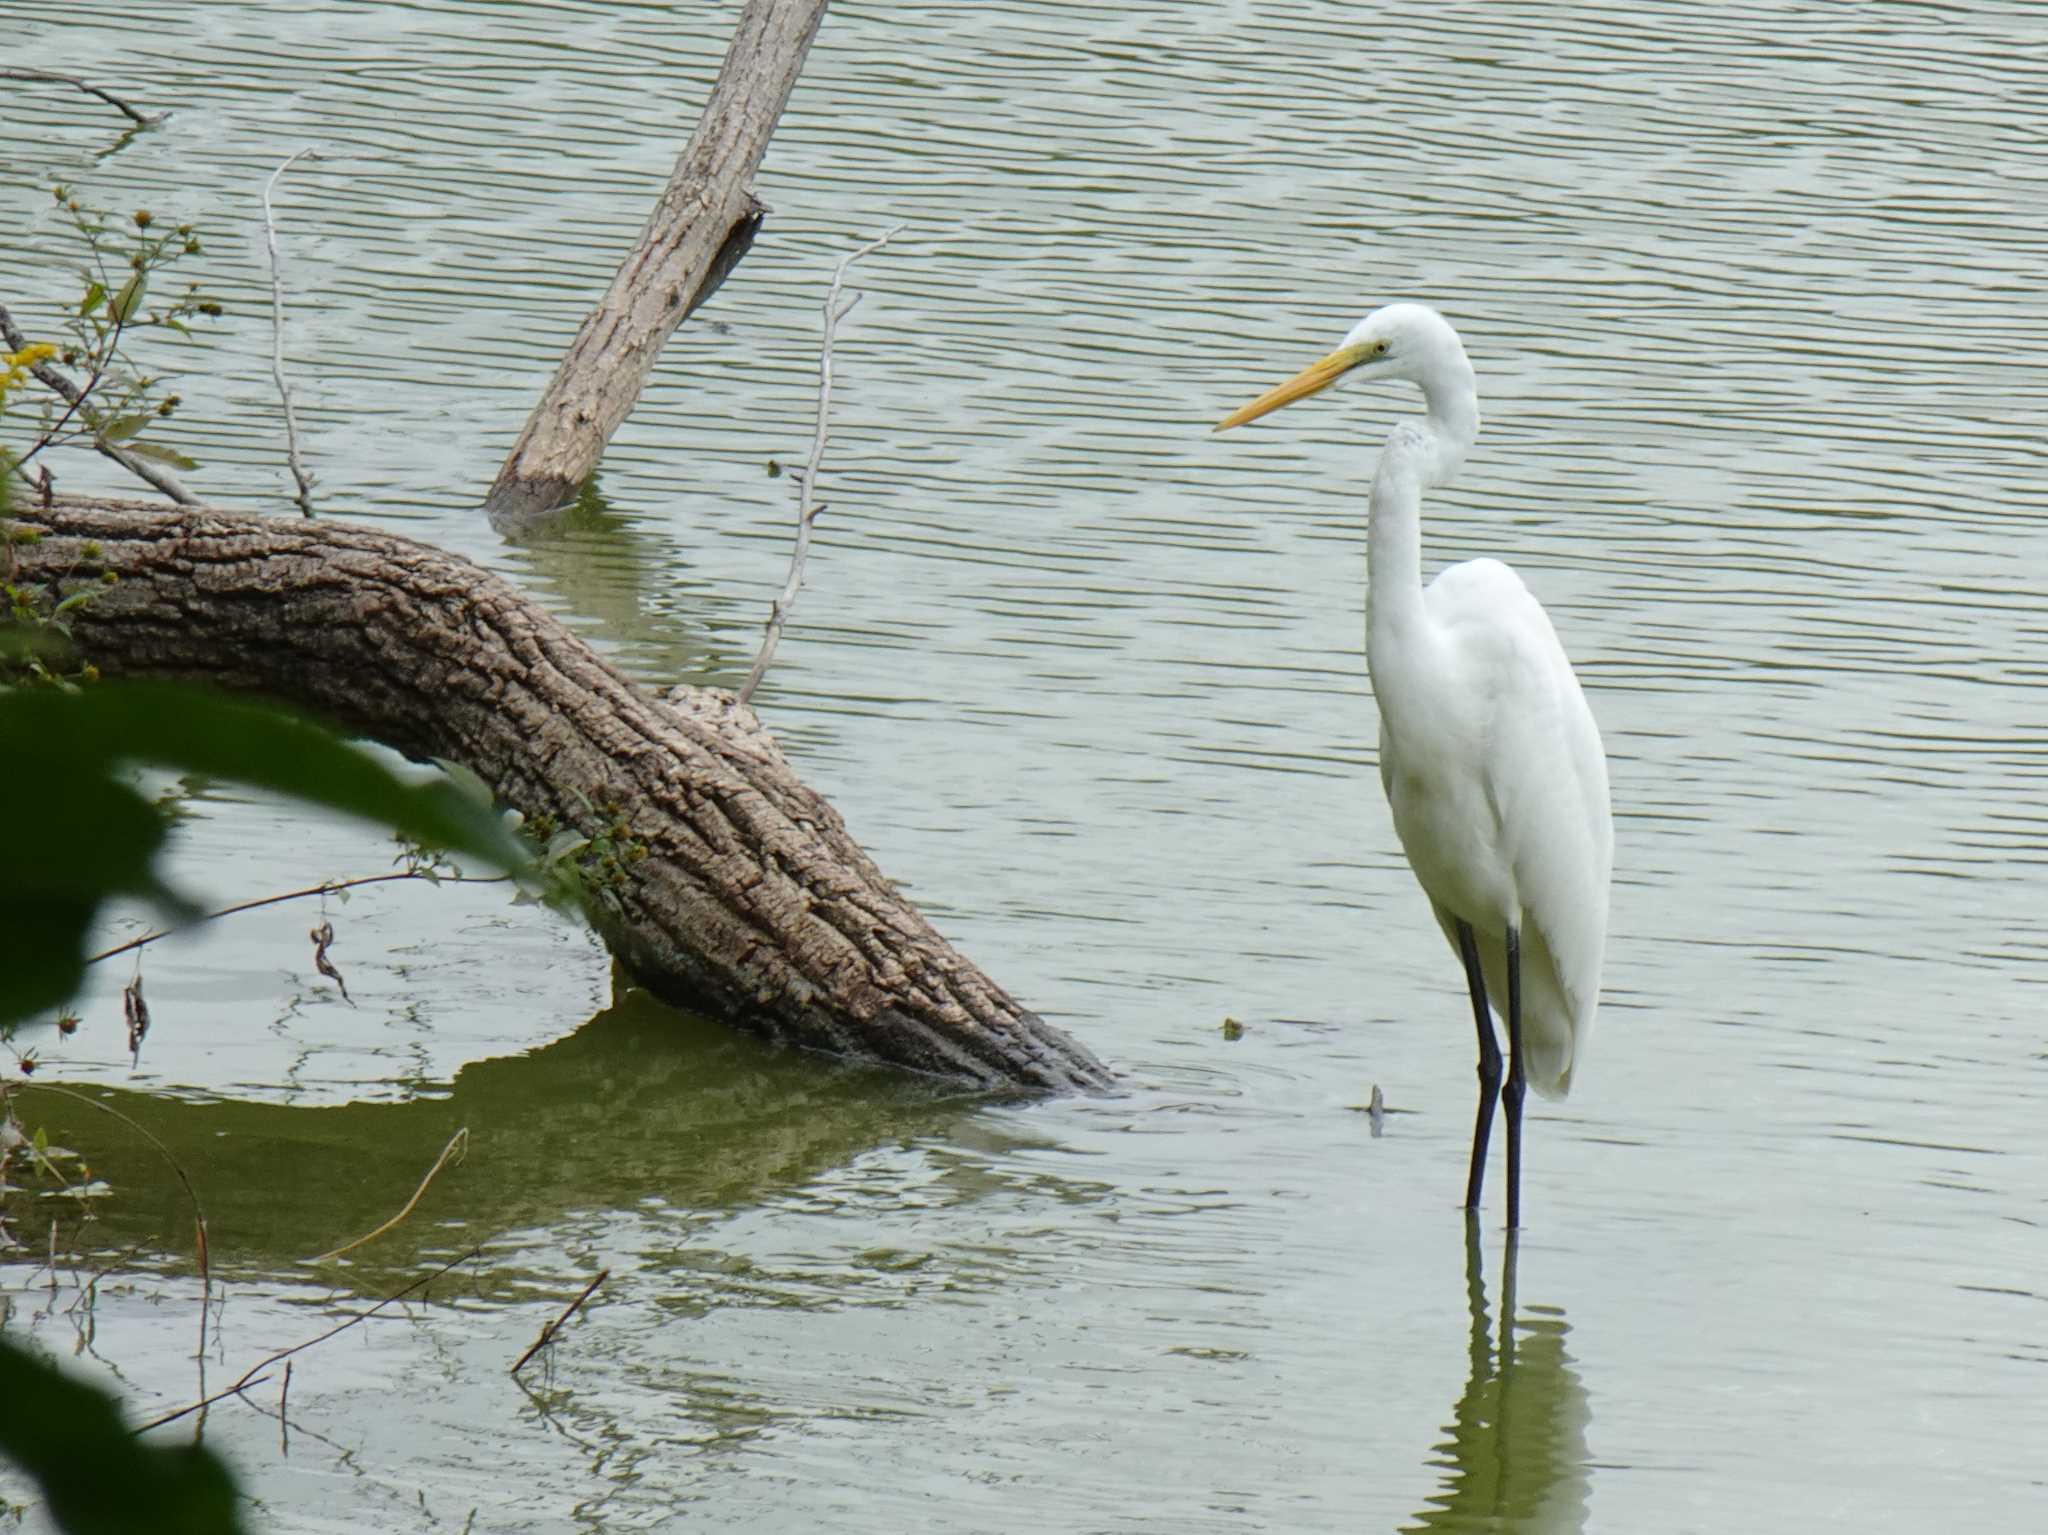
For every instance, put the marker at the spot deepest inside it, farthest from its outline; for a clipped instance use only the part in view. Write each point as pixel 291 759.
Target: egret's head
pixel 1401 341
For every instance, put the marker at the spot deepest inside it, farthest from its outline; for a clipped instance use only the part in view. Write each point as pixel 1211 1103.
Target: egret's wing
pixel 1544 769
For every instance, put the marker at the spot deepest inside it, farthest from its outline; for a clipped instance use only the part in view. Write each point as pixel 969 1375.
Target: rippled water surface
pixel 1754 295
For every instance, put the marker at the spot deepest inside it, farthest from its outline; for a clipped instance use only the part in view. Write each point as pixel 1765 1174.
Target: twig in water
pixel 807 506
pixel 206 1401
pixel 458 1143
pixel 88 1293
pixel 547 1333
pixel 140 119
pixel 252 1378
pixel 291 420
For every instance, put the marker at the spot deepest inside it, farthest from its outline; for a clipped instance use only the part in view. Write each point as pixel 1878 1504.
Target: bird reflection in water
pixel 1514 1454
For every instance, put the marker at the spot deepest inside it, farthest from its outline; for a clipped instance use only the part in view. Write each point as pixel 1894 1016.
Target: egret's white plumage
pixel 1489 756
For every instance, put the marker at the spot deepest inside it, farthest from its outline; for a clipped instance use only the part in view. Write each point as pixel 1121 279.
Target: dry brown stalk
pixel 547 1333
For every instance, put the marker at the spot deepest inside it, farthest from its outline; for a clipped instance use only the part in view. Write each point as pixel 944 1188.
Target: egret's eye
pixel 1379 348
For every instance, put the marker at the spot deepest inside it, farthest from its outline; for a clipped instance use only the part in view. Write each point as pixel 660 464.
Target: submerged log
pixel 734 889
pixel 701 227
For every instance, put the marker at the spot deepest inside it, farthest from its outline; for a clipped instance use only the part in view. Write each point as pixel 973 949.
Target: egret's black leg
pixel 1489 1061
pixel 1518 1083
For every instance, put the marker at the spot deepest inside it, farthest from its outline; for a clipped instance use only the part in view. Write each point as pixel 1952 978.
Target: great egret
pixel 1490 759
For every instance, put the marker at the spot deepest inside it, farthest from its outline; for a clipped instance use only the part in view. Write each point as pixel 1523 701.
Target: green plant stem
pixel 198 1213
pixel 77 401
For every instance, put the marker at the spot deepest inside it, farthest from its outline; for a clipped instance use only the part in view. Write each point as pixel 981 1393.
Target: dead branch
pixel 700 228
pixel 140 119
pixel 284 389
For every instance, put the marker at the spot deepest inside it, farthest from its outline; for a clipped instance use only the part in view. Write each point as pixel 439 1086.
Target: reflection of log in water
pixel 1515 1459
pixel 640 1105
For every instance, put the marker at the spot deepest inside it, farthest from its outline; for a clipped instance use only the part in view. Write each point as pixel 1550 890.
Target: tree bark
pixel 733 890
pixel 699 230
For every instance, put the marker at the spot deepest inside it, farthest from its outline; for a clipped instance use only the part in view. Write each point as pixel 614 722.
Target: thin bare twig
pixel 88 1293
pixel 547 1333
pixel 807 503
pixel 458 1143
pixel 198 1213
pixel 140 119
pixel 251 1377
pixel 205 1402
pixel 291 420
pixel 50 378
pixel 330 888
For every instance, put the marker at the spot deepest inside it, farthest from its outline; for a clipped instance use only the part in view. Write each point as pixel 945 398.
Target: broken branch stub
pixel 726 884
pixel 701 227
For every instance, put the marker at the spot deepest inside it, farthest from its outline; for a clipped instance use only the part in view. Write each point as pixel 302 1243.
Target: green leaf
pixel 80 834
pixel 160 454
pixel 95 295
pixel 121 428
pixel 94 1473
pixel 564 844
pixel 83 595
pixel 129 299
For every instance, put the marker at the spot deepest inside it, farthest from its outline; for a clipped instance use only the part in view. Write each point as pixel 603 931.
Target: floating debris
pixel 1375 1109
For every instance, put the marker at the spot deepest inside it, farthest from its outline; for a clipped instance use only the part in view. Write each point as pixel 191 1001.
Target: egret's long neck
pixel 1393 594
pixel 1452 396
pixel 1419 456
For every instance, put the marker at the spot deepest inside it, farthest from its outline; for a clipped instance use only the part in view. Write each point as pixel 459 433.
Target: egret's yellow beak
pixel 1315 377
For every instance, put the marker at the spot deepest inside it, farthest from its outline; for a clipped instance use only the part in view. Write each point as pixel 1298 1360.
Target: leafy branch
pixel 116 403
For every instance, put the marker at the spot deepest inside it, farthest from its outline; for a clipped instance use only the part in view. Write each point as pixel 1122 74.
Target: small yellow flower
pixel 14 366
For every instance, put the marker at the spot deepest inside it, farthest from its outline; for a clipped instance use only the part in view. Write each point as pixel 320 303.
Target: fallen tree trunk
pixel 698 231
pixel 729 887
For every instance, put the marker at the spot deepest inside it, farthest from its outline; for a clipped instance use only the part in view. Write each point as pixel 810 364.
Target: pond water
pixel 1753 292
